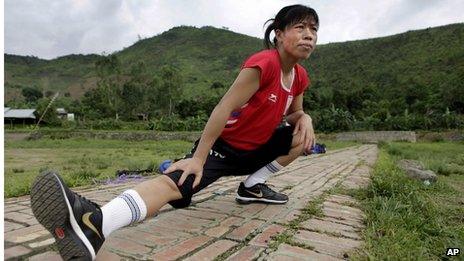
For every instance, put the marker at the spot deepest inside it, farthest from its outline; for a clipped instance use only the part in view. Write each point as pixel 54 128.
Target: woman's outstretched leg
pixel 136 204
pixel 80 226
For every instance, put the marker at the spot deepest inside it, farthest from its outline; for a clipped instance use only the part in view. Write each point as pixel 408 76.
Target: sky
pixel 53 28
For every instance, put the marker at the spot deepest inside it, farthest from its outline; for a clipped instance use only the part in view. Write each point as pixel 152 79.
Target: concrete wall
pixel 375 136
pixel 135 136
pixel 366 136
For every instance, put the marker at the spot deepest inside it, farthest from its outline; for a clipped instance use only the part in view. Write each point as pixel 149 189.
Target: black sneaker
pixel 74 221
pixel 259 193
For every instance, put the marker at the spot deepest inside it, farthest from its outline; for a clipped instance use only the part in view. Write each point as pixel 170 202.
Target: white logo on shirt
pixel 216 154
pixel 273 97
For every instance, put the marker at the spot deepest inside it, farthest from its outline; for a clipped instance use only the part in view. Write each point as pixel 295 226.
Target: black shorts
pixel 224 160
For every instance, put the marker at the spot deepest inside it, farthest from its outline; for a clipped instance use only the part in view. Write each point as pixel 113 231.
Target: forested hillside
pixel 413 80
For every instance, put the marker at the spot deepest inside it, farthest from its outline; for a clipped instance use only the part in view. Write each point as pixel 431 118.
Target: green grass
pixel 86 161
pixel 81 161
pixel 444 158
pixel 407 219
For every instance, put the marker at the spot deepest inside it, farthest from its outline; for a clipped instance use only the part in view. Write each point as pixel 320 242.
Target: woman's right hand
pixel 191 166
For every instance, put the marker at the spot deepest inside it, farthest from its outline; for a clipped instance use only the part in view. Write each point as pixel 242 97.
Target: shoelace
pixel 266 188
pixel 87 200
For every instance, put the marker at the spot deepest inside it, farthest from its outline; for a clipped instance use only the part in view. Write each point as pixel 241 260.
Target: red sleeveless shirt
pixel 252 125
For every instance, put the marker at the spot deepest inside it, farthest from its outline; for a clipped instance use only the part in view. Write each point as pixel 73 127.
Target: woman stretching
pixel 257 128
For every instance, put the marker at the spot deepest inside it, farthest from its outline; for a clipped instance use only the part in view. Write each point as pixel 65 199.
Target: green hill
pixel 414 67
pixel 71 73
pixel 203 56
pixel 419 71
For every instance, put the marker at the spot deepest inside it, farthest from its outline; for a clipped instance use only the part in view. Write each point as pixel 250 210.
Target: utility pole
pixel 46 109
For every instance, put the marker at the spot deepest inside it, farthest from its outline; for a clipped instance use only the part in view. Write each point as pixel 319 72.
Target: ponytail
pixel 267 42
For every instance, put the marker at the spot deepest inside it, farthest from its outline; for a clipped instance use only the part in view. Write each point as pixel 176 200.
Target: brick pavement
pixel 214 226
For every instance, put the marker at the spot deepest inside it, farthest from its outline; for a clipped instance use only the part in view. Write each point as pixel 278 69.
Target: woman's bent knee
pixel 183 196
pixel 169 183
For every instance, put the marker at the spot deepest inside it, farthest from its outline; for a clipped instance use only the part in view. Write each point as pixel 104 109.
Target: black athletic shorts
pixel 224 160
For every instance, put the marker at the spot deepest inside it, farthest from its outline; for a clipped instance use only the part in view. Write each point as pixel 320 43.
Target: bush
pixel 104 124
pixel 334 119
pixel 368 123
pixel 79 177
pixel 69 124
pixel 382 144
pixel 174 123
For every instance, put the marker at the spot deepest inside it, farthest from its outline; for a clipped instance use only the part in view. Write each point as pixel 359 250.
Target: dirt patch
pixel 16 136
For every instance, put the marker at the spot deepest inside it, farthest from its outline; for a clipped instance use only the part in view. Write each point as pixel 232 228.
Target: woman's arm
pixel 244 87
pixel 246 84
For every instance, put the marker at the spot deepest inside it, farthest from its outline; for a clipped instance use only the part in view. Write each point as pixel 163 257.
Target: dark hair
pixel 288 15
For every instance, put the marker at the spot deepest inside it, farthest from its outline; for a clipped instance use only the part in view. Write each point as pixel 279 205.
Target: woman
pixel 257 128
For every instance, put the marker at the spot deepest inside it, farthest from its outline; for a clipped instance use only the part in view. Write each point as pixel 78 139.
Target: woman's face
pixel 298 40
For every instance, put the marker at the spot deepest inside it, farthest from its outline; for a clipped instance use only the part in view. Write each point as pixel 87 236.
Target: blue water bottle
pixel 164 165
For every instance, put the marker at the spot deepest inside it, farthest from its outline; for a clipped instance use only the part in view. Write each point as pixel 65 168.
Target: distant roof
pixel 20 113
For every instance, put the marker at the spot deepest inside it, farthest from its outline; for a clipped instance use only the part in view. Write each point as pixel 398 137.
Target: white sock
pixel 123 210
pixel 262 174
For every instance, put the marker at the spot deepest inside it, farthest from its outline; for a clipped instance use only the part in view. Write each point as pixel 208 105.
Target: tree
pixel 50 117
pixel 95 104
pixel 138 94
pixel 17 103
pixel 31 94
pixel 132 93
pixel 77 108
pixel 49 94
pixel 217 85
pixel 109 84
pixel 171 87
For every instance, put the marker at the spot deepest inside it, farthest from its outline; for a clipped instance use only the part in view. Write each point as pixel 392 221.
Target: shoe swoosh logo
pixel 86 220
pixel 259 195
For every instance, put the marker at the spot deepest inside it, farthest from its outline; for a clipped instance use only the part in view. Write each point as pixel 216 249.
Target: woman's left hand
pixel 305 126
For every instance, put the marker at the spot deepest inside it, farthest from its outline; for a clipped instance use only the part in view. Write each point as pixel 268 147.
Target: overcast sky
pixel 52 28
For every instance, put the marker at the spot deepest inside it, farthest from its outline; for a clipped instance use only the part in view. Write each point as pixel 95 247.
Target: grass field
pixel 84 162
pixel 407 219
pixel 81 161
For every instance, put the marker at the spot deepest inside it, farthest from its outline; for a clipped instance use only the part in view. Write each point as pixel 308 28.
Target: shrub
pixel 382 144
pixel 174 123
pixel 18 170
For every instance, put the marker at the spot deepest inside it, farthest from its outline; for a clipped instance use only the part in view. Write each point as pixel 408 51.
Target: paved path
pixel 217 227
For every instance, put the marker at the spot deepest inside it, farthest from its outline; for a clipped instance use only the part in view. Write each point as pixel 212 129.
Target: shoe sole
pixel 52 209
pixel 245 200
